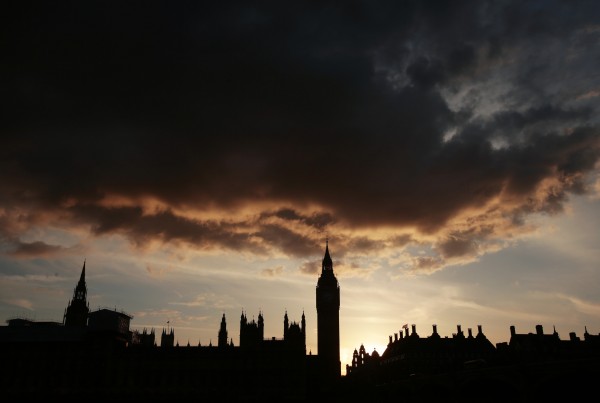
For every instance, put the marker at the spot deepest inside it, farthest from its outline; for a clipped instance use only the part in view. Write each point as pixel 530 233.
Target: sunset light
pixel 201 158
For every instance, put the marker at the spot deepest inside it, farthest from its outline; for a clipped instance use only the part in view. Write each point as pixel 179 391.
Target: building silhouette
pixel 223 333
pixel 530 367
pixel 146 338
pixel 93 355
pixel 328 320
pixel 78 309
pixel 167 337
pixel 252 333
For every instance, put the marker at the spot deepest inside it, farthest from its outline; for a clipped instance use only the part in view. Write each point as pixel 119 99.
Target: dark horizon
pixel 95 353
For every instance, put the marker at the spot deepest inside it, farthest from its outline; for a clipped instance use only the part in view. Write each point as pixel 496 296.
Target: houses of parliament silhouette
pixel 94 356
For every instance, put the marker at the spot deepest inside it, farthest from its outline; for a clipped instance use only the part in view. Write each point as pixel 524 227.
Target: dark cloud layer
pixel 37 248
pixel 379 113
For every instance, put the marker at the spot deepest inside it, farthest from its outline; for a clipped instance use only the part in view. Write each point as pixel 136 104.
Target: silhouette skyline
pixel 96 352
pixel 198 156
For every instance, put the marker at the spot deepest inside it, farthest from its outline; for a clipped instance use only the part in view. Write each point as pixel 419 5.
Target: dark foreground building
pixel 94 356
pixel 531 367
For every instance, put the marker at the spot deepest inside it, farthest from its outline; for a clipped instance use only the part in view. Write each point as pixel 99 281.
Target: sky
pixel 197 157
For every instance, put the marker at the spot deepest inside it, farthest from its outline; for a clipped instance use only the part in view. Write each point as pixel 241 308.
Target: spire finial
pixel 82 277
pixel 327 262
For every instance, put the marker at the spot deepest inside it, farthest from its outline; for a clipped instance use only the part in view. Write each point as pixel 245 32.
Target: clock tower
pixel 328 321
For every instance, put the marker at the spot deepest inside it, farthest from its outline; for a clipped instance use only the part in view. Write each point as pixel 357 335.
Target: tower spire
pixel 82 277
pixel 327 262
pixel 77 310
pixel 223 333
pixel 328 320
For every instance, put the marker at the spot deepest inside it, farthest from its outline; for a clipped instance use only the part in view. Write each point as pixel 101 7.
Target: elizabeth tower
pixel 328 320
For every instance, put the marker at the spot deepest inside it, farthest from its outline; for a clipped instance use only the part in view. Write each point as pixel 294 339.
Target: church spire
pixel 81 288
pixel 77 310
pixel 82 277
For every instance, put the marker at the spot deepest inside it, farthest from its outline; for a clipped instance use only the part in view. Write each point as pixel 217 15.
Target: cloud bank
pixel 265 127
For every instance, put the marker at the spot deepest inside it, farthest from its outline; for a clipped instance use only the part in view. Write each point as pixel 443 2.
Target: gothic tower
pixel 76 313
pixel 251 333
pixel 328 320
pixel 294 334
pixel 167 339
pixel 223 333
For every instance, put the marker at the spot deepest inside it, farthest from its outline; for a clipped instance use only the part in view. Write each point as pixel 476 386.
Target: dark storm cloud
pixel 165 226
pixel 401 240
pixel 288 241
pixel 316 220
pixel 360 244
pixel 458 245
pixel 344 106
pixel 35 249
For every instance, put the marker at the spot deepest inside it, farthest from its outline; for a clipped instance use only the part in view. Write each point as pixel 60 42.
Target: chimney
pixel 395 336
pixel 470 332
pixel 539 330
pixel 512 331
pixel 414 329
pixel 390 339
pixel 434 329
pixel 458 330
pixel 573 337
pixel 479 329
pixel 401 335
pixel 406 332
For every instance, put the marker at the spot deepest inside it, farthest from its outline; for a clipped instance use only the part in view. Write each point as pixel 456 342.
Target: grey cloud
pixel 457 246
pixel 165 226
pixel 310 268
pixel 288 241
pixel 35 249
pixel 316 220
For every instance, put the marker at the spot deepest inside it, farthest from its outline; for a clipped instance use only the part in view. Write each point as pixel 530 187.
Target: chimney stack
pixel 539 330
